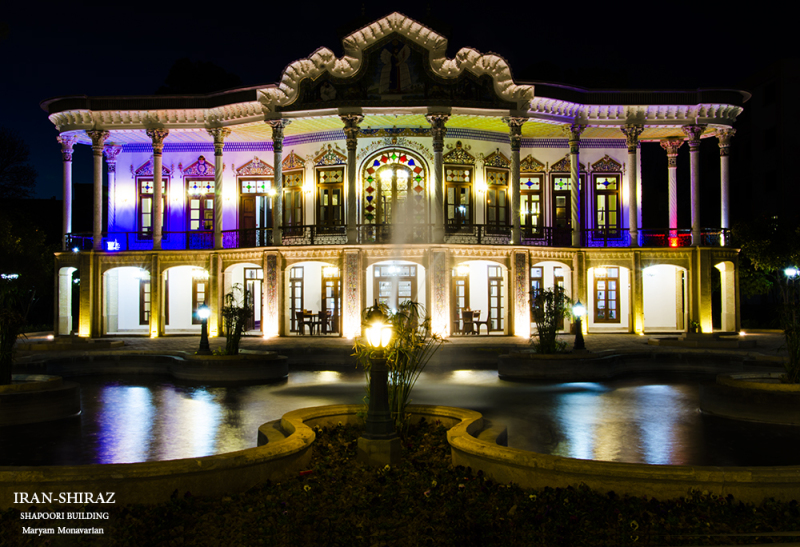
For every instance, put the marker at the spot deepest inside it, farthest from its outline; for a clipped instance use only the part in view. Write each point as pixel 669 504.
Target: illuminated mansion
pixel 391 173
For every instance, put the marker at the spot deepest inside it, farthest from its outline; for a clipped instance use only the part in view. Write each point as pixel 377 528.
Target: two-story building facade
pixel 391 173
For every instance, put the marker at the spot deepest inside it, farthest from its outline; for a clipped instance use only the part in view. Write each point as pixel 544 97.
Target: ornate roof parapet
pixel 325 61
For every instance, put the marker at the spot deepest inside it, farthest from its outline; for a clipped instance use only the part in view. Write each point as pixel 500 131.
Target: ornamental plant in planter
pixel 412 346
pixel 550 307
pixel 236 312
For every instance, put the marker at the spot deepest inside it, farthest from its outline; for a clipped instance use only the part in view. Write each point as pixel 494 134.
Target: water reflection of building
pixel 454 186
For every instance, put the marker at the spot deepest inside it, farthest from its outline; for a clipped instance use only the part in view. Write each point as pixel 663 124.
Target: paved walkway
pixel 466 352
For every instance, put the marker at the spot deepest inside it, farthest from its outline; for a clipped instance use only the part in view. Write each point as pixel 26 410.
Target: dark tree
pixel 17 176
pixel 197 77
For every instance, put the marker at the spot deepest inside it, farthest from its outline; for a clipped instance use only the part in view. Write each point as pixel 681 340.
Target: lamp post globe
pixel 203 312
pixel 379 445
pixel 578 311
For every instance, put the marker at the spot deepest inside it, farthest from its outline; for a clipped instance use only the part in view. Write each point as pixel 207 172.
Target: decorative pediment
pixel 200 168
pixel 459 155
pixel 563 165
pixel 331 155
pixel 531 165
pixel 292 162
pixel 607 165
pixel 497 159
pixel 146 169
pixel 255 167
pixel 395 60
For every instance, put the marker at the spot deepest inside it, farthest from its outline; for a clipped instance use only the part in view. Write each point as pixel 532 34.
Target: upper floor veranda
pixel 392 143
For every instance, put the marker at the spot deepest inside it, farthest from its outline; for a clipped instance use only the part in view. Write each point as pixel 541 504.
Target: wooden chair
pixel 478 322
pixel 467 320
pixel 324 321
pixel 300 320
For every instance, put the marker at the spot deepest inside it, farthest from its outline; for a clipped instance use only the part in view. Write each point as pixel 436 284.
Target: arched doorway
pixel 395 205
pixel 249 278
pixel 127 304
pixel 392 282
pixel 665 298
pixel 727 289
pixel 548 275
pixel 68 301
pixel 314 297
pixel 608 308
pixel 480 289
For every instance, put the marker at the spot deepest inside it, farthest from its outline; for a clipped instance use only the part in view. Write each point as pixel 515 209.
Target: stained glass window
pixel 394 188
pixel 201 186
pixel 256 186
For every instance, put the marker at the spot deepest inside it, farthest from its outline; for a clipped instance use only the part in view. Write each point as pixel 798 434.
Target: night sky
pixel 121 48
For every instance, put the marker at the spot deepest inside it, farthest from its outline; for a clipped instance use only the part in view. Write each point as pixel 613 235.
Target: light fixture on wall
pixel 199 273
pixel 330 271
pixel 462 270
pixel 600 272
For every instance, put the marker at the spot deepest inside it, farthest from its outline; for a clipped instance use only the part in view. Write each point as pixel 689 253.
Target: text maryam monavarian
pixel 60 530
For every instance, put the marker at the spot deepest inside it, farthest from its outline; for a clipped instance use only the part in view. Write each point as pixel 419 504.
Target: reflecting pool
pixel 652 420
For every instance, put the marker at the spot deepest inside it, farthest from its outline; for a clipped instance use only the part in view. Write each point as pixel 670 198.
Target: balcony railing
pixel 466 234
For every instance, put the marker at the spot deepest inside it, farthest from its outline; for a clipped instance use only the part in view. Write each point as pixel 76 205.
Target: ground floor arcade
pixel 323 290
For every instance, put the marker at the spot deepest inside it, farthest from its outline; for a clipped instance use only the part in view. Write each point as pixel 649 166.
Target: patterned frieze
pixel 522 294
pixel 459 154
pixel 392 142
pixel 531 165
pixel 395 252
pixel 352 289
pixel 440 291
pixel 310 253
pixel 330 154
pixel 272 285
pixel 606 165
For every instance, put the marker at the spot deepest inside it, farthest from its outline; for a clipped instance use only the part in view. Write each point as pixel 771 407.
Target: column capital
pixel 98 139
pixel 573 131
pixel 632 133
pixel 438 129
pixel 351 122
pixel 219 134
pixel 694 132
pixel 515 129
pixel 66 142
pixel 157 136
pixel 724 136
pixel 277 133
pixel 671 145
pixel 111 151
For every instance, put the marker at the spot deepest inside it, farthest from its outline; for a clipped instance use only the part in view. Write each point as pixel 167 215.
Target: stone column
pixel 67 142
pixel 522 294
pixel 352 292
pixel 724 136
pixel 438 260
pixel 438 131
pixel 277 157
pixel 672 145
pixel 637 290
pixel 271 317
pixel 351 122
pixel 156 297
pixel 111 152
pixel 574 134
pixel 694 132
pixel 157 136
pixel 98 138
pixel 219 135
pixel 632 133
pixel 515 125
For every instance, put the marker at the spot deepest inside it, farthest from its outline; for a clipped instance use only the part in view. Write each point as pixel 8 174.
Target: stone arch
pixel 727 277
pixel 306 289
pixel 598 304
pixel 483 292
pixel 66 301
pixel 665 297
pixel 126 301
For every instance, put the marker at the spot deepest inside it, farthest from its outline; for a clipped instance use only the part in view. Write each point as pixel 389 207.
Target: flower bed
pixel 425 501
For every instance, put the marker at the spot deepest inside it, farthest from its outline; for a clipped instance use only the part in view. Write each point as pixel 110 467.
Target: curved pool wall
pixel 588 367
pixel 288 451
pixel 33 398
pixel 247 366
pixel 753 397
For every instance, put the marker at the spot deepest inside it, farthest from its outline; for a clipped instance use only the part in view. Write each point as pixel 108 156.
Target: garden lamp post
pixel 203 312
pixel 579 310
pixel 379 445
